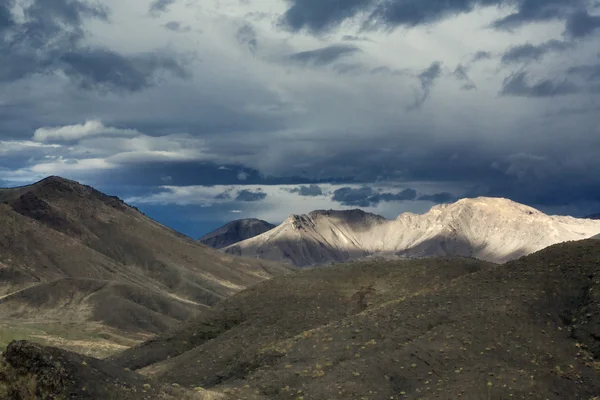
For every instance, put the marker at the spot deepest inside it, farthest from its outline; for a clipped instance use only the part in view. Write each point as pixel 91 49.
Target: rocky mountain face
pixel 236 231
pixel 69 253
pixel 492 229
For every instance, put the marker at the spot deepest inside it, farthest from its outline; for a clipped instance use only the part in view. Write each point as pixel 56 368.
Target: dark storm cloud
pixel 160 6
pixel 582 24
pixel 439 198
pixel 246 36
pixel 226 195
pixel 250 196
pixel 367 197
pixel 308 191
pixel 427 79
pixel 323 56
pixel 517 85
pixel 318 16
pixel 96 68
pixel 528 52
pixel 539 10
pixel 587 72
pixel 49 40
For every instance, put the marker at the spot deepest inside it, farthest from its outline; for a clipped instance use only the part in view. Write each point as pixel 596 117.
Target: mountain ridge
pixel 83 251
pixel 492 229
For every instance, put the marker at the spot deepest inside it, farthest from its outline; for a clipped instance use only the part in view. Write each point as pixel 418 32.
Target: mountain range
pixel 491 229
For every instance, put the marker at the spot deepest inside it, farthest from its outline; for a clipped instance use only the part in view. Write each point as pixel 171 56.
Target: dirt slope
pixel 420 329
pixel 491 229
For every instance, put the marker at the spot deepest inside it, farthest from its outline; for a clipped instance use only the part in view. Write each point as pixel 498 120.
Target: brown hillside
pixel 72 246
pixel 422 329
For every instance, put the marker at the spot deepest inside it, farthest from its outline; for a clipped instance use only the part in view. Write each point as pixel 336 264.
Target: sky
pixel 201 112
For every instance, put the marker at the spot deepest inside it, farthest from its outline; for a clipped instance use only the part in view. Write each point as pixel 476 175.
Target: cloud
pixel 439 198
pixel 539 10
pixel 528 52
pixel 250 196
pixel 367 197
pixel 323 56
pixel 308 191
pixel 177 27
pixel 99 68
pixel 158 7
pixel 588 72
pixel 582 24
pixel 317 17
pixel 77 132
pixel 427 79
pixel 50 39
pixel 481 55
pixel 517 85
pixel 246 36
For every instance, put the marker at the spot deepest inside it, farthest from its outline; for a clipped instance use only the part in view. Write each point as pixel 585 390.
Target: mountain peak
pixel 235 232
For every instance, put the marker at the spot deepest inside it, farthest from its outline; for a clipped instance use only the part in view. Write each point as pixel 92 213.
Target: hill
pixel 69 252
pixel 593 216
pixel 235 232
pixel 398 329
pixel 491 229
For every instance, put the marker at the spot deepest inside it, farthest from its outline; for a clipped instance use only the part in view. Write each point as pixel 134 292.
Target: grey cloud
pixel 529 52
pixel 354 38
pixel 100 68
pixel 49 40
pixel 317 16
pixel 367 197
pixel 517 85
pixel 588 72
pixel 246 36
pixel 427 79
pixel 461 73
pixel 226 195
pixel 481 55
pixel 177 27
pixel 582 24
pixel 539 10
pixel 323 56
pixel 308 191
pixel 160 6
pixel 250 196
pixel 439 198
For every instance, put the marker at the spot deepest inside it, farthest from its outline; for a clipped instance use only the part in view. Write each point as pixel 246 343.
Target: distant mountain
pixel 69 253
pixel 235 232
pixel 492 229
pixel 593 216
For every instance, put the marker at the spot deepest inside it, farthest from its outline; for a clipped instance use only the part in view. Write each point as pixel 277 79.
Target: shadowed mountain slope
pixel 492 229
pixel 426 329
pixel 235 232
pixel 71 246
